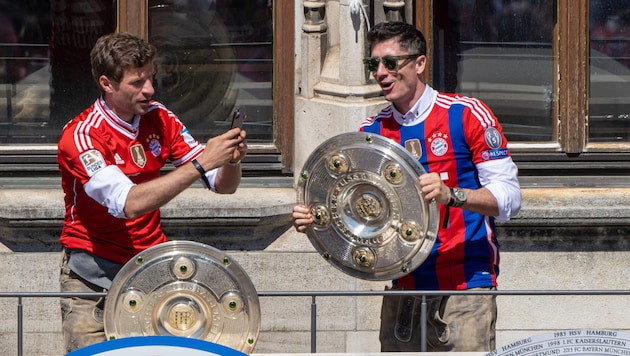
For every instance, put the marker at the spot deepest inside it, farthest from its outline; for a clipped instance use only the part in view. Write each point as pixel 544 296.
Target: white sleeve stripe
pixel 444 101
pixel 480 112
pixel 82 139
pixel 194 153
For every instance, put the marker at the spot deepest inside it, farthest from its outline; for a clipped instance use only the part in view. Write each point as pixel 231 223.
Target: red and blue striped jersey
pixel 451 135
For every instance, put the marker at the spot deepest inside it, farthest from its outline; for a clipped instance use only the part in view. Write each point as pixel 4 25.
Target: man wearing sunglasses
pixel 471 176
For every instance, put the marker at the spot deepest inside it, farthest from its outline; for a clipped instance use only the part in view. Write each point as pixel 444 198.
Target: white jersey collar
pixel 420 110
pixel 117 121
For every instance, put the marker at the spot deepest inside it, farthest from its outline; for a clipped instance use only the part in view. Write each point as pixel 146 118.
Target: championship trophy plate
pixel 186 289
pixel 370 217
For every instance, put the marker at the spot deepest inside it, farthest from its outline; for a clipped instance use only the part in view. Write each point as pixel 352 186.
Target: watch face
pixel 459 197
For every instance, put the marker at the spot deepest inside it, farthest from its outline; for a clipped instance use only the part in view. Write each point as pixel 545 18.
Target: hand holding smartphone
pixel 237 118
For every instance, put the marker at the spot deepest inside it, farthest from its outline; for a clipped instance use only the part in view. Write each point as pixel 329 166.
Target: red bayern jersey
pixel 451 135
pixel 96 139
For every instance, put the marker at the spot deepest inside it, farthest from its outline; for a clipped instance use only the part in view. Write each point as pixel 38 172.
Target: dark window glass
pixel 45 77
pixel 500 52
pixel 214 56
pixel 609 96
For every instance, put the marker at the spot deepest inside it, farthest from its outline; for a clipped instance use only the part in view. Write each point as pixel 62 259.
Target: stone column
pixel 394 10
pixel 343 74
pixel 336 92
pixel 314 44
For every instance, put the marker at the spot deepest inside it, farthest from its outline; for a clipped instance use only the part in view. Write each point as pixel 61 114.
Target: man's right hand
pixel 221 149
pixel 302 217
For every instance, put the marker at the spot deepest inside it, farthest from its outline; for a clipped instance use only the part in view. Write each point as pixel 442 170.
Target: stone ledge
pixel 22 204
pixel 571 206
pixel 253 218
pixel 539 204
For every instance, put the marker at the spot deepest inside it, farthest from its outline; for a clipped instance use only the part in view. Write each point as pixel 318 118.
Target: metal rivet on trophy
pixel 370 218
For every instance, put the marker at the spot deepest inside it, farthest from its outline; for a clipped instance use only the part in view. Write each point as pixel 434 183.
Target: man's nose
pixel 380 70
pixel 148 88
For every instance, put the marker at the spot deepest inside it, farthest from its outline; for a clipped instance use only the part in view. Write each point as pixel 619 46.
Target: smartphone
pixel 237 118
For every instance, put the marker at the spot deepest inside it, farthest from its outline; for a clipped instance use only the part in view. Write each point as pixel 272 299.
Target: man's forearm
pixel 156 193
pixel 228 179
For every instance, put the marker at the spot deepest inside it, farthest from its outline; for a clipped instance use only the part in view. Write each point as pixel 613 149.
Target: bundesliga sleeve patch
pixel 92 161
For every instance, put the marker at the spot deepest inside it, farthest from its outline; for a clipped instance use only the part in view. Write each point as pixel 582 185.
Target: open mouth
pixel 387 86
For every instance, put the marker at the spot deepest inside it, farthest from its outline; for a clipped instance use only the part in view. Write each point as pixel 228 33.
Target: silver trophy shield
pixel 187 289
pixel 370 218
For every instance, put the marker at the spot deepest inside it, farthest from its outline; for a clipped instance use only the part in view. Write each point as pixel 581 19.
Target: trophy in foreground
pixel 186 289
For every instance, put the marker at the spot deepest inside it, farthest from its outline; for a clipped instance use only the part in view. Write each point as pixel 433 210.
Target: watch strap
pixel 202 173
pixel 451 201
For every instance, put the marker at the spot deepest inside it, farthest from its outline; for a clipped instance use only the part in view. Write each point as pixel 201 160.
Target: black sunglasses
pixel 389 62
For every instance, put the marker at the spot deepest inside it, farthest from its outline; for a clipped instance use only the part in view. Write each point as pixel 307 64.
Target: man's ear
pixel 105 83
pixel 421 63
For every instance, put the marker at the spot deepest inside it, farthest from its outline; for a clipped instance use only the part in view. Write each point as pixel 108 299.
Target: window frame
pixel 571 159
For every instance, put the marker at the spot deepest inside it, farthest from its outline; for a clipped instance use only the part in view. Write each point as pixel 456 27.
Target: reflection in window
pixel 609 64
pixel 45 77
pixel 215 55
pixel 24 94
pixel 501 53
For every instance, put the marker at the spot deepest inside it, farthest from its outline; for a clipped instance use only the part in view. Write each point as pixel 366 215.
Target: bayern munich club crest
pixel 154 145
pixel 438 144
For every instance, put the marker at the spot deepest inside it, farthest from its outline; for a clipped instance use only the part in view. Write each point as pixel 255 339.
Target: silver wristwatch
pixel 458 198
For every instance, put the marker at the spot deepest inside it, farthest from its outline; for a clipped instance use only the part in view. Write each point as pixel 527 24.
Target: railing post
pixel 313 325
pixel 423 324
pixel 20 310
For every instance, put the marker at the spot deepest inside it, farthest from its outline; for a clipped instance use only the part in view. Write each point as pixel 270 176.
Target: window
pixel 45 72
pixel 500 52
pixel 609 67
pixel 213 56
pixel 555 72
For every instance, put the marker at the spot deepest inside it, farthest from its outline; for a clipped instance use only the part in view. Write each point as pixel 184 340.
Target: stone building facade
pixel 571 234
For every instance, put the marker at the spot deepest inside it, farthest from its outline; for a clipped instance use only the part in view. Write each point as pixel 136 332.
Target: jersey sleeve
pixel 80 152
pixel 83 157
pixel 183 146
pixel 490 154
pixel 483 132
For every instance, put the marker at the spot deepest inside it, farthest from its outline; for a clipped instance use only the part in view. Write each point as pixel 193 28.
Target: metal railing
pixel 314 294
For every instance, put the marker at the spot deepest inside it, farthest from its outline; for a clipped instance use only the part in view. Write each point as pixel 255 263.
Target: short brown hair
pixel 115 52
